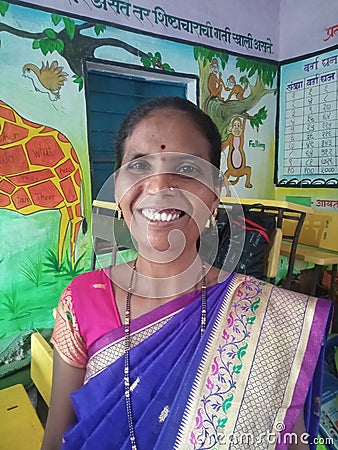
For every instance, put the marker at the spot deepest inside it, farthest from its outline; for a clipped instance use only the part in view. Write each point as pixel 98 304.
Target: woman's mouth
pixel 161 215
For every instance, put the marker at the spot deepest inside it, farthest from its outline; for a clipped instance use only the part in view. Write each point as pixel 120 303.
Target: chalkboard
pixel 308 122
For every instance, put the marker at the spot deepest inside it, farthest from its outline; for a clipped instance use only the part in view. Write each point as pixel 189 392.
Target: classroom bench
pixel 20 427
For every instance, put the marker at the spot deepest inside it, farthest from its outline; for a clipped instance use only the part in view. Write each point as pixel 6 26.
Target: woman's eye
pixel 187 169
pixel 138 166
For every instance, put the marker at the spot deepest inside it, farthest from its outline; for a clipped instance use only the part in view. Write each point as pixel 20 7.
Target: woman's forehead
pixel 167 130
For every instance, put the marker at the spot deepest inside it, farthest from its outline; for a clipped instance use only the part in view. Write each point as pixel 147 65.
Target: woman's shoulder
pixel 91 276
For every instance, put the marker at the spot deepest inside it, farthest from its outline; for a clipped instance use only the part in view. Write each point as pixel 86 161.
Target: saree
pixel 241 385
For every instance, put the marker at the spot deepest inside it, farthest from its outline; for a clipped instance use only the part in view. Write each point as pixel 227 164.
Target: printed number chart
pixel 308 123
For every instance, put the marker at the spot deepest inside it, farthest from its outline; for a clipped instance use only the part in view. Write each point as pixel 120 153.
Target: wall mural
pixel 49 79
pixel 232 104
pixel 40 170
pixel 45 198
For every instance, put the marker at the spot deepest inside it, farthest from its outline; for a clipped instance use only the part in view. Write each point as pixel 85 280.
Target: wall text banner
pixel 200 25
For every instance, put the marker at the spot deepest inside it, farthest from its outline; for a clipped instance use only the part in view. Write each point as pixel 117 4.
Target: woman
pixel 167 352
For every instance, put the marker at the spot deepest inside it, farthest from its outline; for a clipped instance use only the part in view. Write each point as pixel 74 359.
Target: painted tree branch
pixel 21 33
pixel 80 47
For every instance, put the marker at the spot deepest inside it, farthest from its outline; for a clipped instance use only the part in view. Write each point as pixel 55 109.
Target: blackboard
pixel 308 122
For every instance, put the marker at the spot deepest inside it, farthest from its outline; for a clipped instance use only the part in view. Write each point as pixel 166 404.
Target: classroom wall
pixel 248 28
pixel 277 30
pixel 45 183
pixel 307 26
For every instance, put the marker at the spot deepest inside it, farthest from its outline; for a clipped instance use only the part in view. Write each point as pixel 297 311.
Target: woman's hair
pixel 201 120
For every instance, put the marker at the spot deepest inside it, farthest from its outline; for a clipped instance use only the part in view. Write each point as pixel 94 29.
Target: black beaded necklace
pixel 127 346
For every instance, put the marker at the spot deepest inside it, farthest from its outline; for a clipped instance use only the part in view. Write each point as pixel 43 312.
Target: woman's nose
pixel 160 182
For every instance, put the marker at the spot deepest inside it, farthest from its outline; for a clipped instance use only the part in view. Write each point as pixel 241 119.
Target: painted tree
pixel 262 75
pixel 66 37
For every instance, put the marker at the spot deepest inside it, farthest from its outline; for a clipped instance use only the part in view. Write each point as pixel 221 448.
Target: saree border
pixel 113 351
pixel 246 400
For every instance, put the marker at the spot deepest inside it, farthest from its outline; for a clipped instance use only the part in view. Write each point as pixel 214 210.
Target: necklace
pixel 127 345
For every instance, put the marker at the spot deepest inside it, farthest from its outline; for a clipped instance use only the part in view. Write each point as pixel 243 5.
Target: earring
pixel 213 218
pixel 119 212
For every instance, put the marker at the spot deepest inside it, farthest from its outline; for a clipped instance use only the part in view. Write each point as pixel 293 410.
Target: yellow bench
pixel 20 427
pixel 42 365
pixel 316 245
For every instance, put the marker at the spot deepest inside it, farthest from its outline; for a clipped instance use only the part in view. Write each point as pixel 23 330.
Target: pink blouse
pixel 86 311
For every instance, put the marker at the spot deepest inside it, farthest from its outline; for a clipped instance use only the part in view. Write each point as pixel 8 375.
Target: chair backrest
pixel 41 365
pixel 272 255
pixel 313 230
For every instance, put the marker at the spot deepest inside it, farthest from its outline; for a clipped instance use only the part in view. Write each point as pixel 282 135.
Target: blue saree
pixel 248 377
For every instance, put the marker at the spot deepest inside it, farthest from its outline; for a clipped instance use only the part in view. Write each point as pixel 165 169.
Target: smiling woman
pixel 168 352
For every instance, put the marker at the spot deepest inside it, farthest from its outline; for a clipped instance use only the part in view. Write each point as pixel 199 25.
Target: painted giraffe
pixel 39 170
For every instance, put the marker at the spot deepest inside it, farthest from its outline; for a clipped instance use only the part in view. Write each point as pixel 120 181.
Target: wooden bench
pixel 315 245
pixel 20 427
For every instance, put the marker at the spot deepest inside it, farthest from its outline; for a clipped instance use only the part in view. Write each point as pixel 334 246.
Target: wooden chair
pixel 110 234
pixel 20 427
pixel 314 246
pixel 272 255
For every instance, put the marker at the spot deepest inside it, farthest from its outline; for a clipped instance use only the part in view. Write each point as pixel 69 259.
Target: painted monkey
pixel 236 160
pixel 215 83
pixel 234 88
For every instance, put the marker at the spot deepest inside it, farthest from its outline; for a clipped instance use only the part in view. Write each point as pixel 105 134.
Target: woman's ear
pixel 116 190
pixel 219 186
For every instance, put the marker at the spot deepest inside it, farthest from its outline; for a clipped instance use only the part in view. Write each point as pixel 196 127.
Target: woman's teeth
pixel 160 216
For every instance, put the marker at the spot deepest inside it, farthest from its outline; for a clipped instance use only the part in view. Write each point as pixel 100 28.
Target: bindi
pixel 162 146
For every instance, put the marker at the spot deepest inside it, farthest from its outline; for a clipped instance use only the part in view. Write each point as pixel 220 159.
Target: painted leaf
pixel 56 19
pixel 59 46
pixel 225 335
pixel 199 419
pixel 99 29
pixel 79 80
pixel 52 46
pixel 45 45
pixel 250 320
pixel 145 61
pixel 50 33
pixel 227 403
pixel 236 369
pixel 36 44
pixel 255 305
pixel 70 27
pixel 3 8
pixel 242 351
pixel 196 52
pixel 193 439
pixel 214 367
pixel 221 422
pixel 209 384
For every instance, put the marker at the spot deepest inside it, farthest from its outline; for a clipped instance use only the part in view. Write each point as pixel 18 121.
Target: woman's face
pixel 165 186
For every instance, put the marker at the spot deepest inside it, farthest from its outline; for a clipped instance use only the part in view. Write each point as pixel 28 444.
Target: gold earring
pixel 119 212
pixel 214 217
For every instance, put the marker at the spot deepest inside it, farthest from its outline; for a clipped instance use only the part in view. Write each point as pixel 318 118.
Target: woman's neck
pixel 159 280
pixel 164 270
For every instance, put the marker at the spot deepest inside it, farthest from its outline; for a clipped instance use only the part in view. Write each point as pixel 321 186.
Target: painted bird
pixel 48 80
